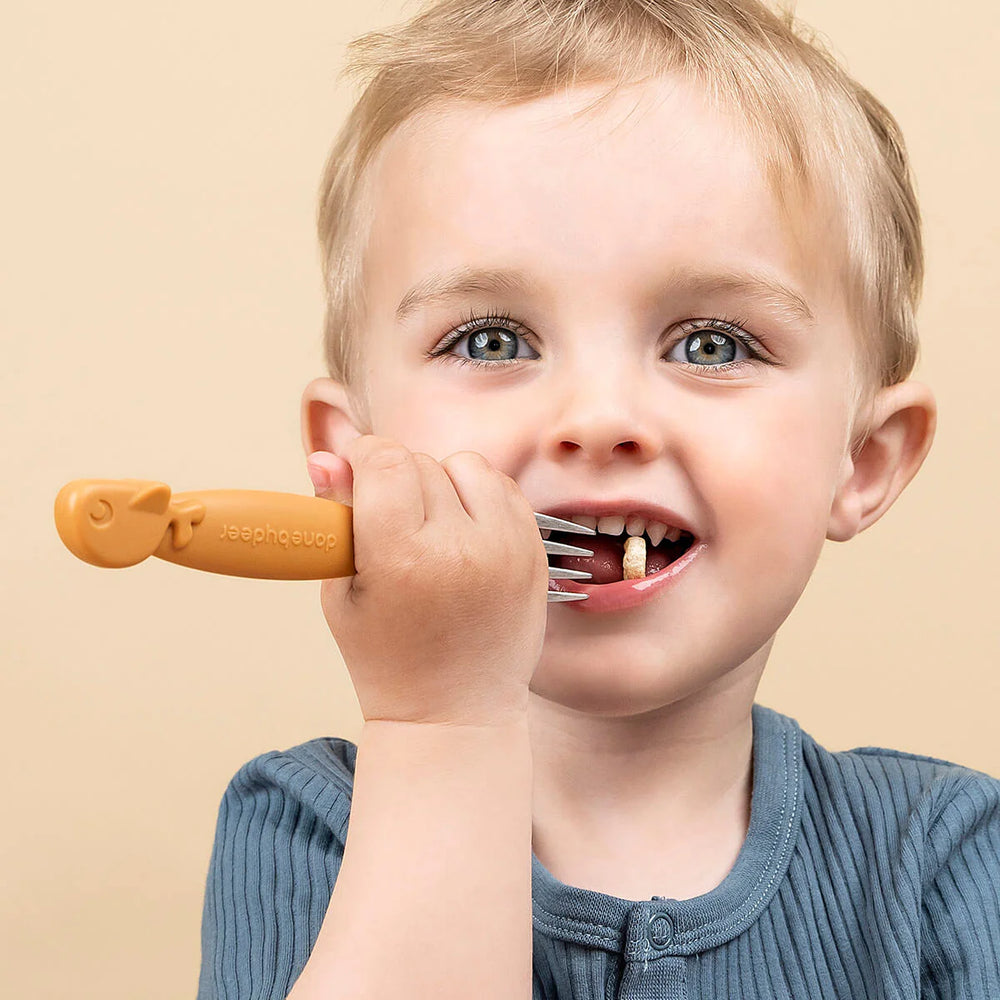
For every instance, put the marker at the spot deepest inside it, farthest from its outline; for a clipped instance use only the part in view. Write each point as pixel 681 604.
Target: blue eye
pixel 495 341
pixel 491 341
pixel 493 344
pixel 710 347
pixel 717 346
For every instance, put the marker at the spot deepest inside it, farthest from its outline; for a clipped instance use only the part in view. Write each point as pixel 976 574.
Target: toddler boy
pixel 651 266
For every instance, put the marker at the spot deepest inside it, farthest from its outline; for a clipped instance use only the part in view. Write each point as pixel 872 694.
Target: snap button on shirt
pixel 661 930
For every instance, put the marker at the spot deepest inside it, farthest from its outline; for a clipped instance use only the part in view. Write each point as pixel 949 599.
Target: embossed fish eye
pixel 102 512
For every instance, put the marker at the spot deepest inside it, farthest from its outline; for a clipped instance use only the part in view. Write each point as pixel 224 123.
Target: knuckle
pixel 467 458
pixel 387 454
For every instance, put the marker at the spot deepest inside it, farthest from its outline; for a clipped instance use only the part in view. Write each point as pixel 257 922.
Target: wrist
pixel 500 714
pixel 508 722
pixel 448 752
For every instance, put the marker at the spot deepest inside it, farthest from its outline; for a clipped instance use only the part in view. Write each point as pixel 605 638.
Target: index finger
pixel 388 497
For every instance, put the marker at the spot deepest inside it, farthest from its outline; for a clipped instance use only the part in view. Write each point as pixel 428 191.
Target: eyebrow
pixel 766 288
pixel 461 281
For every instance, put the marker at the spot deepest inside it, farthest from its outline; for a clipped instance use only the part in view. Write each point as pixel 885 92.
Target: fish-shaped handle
pixel 255 533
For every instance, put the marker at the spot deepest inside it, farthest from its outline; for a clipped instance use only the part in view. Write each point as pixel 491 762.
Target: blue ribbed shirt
pixel 866 873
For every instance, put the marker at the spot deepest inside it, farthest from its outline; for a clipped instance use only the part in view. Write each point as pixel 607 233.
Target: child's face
pixel 607 219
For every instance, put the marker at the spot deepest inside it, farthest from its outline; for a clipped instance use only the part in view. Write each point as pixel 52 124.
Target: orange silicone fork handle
pixel 251 533
pixel 269 536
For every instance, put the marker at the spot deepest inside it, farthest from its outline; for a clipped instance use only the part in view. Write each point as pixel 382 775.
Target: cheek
pixel 439 417
pixel 779 473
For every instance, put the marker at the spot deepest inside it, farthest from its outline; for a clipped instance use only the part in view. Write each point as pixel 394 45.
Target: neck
pixel 647 786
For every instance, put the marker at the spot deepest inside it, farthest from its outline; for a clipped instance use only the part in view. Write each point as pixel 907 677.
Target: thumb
pixel 332 477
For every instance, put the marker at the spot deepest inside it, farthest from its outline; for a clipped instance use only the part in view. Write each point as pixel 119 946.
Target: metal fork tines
pixel 546 521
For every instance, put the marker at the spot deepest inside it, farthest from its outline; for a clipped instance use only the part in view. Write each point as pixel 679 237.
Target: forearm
pixel 433 897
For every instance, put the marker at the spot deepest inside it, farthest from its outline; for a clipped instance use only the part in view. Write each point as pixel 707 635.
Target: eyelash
pixel 493 318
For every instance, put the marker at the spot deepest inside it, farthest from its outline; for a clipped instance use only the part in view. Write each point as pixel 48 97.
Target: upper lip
pixel 622 506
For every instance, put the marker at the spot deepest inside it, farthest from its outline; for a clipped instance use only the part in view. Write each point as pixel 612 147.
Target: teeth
pixel 635 525
pixel 613 524
pixel 656 530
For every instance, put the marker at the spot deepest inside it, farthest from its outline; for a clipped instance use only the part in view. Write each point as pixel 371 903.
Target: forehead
pixel 652 179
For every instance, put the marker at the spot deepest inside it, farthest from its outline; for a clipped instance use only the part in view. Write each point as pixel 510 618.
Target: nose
pixel 602 411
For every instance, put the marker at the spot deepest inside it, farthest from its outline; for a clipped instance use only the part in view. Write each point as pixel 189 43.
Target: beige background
pixel 161 312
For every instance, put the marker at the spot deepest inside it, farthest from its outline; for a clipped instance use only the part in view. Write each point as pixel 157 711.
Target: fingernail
pixel 320 477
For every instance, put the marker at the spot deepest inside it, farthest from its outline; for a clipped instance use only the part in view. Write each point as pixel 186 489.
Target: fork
pixel 253 533
pixel 546 521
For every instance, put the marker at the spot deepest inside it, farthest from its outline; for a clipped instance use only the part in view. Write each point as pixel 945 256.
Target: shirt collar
pixel 684 927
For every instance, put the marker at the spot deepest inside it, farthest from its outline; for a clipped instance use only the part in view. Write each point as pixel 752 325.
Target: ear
pixel 900 430
pixel 329 416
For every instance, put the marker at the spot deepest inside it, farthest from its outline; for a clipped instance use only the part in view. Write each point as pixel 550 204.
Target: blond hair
pixel 813 127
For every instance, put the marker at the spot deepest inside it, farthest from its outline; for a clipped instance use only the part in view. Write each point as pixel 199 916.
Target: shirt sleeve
pixel 961 910
pixel 279 842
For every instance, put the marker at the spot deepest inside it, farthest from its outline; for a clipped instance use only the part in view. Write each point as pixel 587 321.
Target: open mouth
pixel 617 557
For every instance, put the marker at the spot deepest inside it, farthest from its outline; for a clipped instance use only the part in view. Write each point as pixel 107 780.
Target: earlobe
pixel 328 419
pixel 900 431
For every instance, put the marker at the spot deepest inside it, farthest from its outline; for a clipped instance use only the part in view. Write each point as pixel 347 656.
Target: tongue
pixel 605 565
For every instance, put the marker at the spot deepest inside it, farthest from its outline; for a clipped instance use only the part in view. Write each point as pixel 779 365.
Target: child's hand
pixel 445 618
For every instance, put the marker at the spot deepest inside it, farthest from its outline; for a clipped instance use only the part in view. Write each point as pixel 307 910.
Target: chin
pixel 612 690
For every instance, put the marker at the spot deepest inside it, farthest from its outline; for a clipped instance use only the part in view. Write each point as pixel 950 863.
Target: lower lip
pixel 625 594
